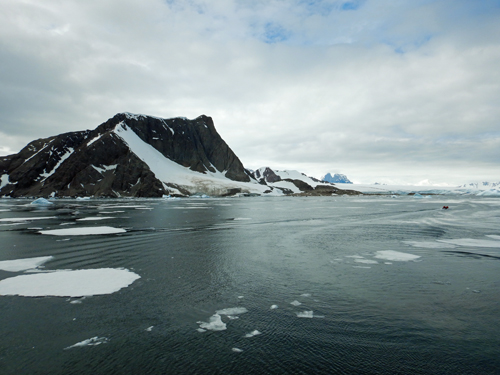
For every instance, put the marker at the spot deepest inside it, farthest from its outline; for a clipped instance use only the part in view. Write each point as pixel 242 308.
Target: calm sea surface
pixel 321 292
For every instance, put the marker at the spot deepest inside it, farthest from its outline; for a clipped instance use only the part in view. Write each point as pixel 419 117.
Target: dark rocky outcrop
pixel 100 163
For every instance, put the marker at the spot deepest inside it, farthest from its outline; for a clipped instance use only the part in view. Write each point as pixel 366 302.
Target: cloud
pixel 368 88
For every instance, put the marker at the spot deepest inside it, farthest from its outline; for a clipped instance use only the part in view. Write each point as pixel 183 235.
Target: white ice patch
pixel 232 311
pixel 354 256
pixel 4 180
pixel 306 295
pixel 253 333
pixel 46 175
pixel 215 323
pixel 295 303
pixel 84 231
pixel 41 201
pixel 149 329
pixel 95 218
pixel 105 168
pixel 395 256
pixel 68 283
pixel 274 307
pixel 93 341
pixel 366 261
pixel 429 244
pixel 471 242
pixel 305 314
pixel 20 219
pixel 18 265
pixel 237 350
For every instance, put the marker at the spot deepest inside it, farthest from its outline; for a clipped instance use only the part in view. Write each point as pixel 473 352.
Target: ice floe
pixel 296 303
pixel 237 350
pixel 395 256
pixel 274 307
pixel 68 283
pixel 214 323
pixel 308 314
pixel 17 219
pixel 94 218
pixel 366 261
pixel 472 242
pixel 253 333
pixel 232 311
pixel 24 264
pixel 430 244
pixel 149 329
pixel 83 231
pixel 93 341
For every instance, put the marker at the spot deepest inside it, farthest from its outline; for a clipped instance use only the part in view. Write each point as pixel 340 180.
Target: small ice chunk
pixel 354 256
pixel 232 311
pixel 76 301
pixel 305 314
pixel 240 297
pixel 306 295
pixel 395 256
pixel 274 307
pixel 149 329
pixel 295 303
pixel 41 201
pixel 24 264
pixel 366 261
pixel 93 218
pixel 83 231
pixel 93 341
pixel 253 333
pixel 237 350
pixel 215 323
pixel 201 330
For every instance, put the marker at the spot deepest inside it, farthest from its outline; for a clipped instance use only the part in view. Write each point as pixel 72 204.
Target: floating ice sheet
pixel 430 244
pixel 296 303
pixel 471 242
pixel 68 283
pixel 83 231
pixel 94 218
pixel 18 265
pixel 366 261
pixel 17 219
pixel 93 341
pixel 274 307
pixel 305 314
pixel 232 311
pixel 214 323
pixel 395 256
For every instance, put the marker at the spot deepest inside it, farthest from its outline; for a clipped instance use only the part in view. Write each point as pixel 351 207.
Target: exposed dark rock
pixel 100 163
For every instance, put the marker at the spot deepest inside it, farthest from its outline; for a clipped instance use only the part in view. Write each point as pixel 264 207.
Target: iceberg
pixel 42 202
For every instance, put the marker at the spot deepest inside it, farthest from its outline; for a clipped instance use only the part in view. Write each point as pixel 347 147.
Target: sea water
pixel 324 285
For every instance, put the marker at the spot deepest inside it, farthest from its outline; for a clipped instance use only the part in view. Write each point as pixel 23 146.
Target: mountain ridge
pixel 141 156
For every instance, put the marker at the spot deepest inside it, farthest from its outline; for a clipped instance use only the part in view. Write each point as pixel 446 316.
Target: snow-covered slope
pixel 173 175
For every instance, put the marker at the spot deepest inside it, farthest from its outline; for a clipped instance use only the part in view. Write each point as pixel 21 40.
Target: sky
pixel 395 92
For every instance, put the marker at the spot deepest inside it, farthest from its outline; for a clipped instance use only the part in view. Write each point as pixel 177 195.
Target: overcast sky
pixel 380 90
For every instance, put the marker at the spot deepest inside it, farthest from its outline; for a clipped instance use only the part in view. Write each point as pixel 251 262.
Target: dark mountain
pixel 102 163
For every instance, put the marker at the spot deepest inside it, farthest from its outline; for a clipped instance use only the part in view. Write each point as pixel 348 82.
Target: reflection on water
pixel 258 285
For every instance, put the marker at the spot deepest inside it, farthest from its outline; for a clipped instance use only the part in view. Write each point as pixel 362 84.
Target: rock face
pixel 101 163
pixel 336 178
